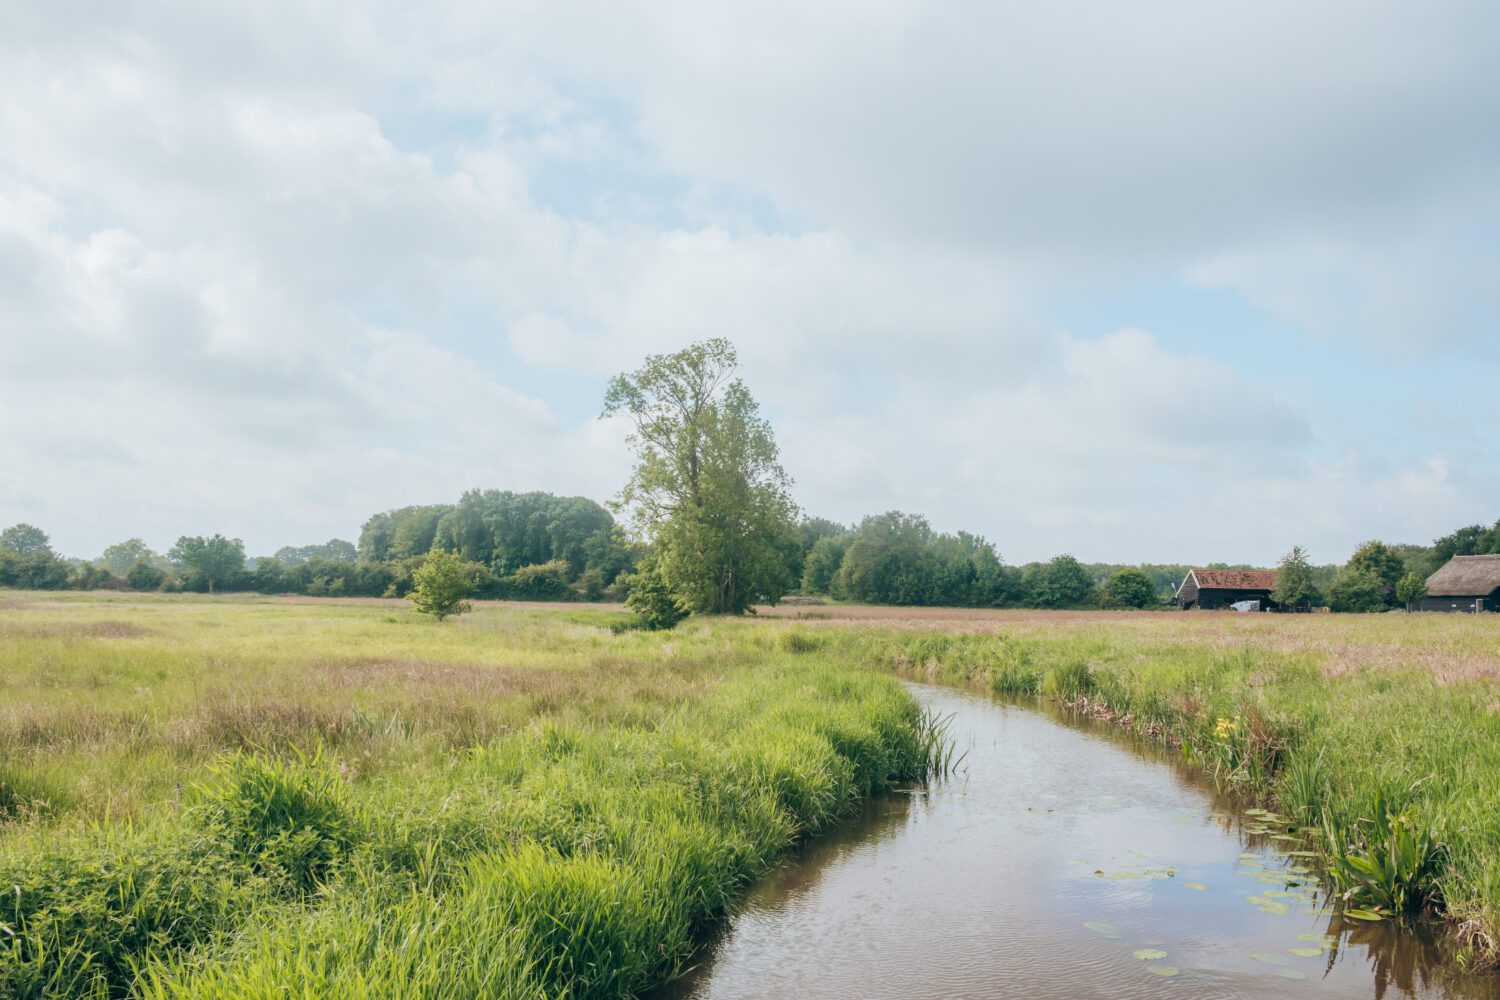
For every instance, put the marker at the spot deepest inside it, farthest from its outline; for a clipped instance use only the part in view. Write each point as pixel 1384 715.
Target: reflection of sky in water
pixel 986 885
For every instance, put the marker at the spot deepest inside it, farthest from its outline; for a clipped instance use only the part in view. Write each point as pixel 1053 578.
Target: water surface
pixel 1062 861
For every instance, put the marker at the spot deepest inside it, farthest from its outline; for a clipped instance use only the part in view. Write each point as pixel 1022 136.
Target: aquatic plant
pixel 1396 864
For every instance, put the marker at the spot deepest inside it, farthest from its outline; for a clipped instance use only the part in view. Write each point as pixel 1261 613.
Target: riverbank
pixel 216 799
pixel 1375 738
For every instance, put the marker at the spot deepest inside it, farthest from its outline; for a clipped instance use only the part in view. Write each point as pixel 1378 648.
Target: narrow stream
pixel 1061 861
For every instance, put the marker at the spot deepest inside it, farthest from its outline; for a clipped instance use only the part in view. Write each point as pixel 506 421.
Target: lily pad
pixel 1306 952
pixel 1257 900
pixel 1319 938
pixel 1269 959
pixel 1149 954
pixel 1099 927
pixel 1199 886
pixel 1165 971
pixel 1361 914
pixel 1290 974
pixel 1276 909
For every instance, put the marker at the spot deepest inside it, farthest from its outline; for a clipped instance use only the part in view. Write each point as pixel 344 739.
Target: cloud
pixel 270 268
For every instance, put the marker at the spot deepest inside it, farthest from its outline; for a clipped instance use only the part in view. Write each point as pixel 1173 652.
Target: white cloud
pixel 270 268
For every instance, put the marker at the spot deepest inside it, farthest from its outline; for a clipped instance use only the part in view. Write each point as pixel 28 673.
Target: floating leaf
pixel 1199 886
pixel 1361 914
pixel 1276 909
pixel 1099 927
pixel 1150 954
pixel 1306 952
pixel 1165 971
pixel 1257 900
pixel 1319 938
pixel 1261 956
pixel 1290 974
pixel 1275 893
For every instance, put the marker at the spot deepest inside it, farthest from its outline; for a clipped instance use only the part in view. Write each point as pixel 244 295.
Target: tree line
pixel 523 546
pixel 706 525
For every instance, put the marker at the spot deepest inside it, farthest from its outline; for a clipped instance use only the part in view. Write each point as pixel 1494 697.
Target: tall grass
pixel 1379 739
pixel 637 785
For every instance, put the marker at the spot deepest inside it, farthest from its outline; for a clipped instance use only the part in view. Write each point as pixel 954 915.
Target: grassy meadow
pixel 256 797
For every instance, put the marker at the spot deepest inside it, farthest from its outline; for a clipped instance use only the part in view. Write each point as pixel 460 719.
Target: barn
pixel 1211 589
pixel 1465 583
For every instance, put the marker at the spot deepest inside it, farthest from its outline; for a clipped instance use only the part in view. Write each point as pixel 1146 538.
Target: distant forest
pixel 540 547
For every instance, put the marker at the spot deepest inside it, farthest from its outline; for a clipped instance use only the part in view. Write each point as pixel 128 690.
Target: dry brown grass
pixel 72 630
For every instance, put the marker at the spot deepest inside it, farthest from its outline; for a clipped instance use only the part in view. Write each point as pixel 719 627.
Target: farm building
pixel 1465 583
pixel 1212 589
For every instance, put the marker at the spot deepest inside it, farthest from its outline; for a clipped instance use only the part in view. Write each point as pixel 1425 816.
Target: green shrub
pixel 293 823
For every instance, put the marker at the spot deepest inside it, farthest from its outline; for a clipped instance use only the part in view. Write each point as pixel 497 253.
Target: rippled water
pixel 1060 862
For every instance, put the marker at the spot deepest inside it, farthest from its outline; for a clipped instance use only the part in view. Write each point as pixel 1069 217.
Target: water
pixel 1057 853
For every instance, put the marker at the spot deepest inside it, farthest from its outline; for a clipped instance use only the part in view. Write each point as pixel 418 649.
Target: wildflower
pixel 1225 728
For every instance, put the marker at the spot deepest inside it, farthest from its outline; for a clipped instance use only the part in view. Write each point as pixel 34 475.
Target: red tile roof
pixel 1235 579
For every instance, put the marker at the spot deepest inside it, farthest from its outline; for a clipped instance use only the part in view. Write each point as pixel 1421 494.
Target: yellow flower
pixel 1224 728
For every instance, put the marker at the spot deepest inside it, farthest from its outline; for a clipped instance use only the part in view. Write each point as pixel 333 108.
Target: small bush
pixel 441 584
pixel 652 602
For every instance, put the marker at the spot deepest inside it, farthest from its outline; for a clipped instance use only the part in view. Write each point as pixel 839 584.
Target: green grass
pixel 241 797
pixel 224 798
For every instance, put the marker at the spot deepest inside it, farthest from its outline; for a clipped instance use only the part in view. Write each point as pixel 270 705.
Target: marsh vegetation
pixel 211 797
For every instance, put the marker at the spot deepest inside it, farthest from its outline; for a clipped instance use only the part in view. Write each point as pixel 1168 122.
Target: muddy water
pixel 1060 862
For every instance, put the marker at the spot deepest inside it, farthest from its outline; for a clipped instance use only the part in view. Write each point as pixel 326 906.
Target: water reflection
pixel 1063 861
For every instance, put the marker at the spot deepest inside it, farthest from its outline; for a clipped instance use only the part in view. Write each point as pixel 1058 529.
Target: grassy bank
pixel 230 798
pixel 1376 737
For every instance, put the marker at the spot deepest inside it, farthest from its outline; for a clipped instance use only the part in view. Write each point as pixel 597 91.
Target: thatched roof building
pixel 1465 583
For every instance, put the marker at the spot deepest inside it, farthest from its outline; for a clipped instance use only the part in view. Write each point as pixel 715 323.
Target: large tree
pixel 708 489
pixel 119 557
pixel 1380 561
pixel 1062 582
pixel 1130 588
pixel 25 540
pixel 213 560
pixel 1294 580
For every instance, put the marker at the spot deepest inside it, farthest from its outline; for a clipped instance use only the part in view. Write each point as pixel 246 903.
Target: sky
pixel 1162 281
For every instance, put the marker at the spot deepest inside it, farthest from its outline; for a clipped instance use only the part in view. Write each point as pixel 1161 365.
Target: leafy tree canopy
pixel 708 489
pixel 213 559
pixel 1294 580
pixel 441 585
pixel 1411 588
pixel 1060 583
pixel 1356 589
pixel 25 540
pixel 119 557
pixel 1380 561
pixel 1130 588
pixel 333 550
